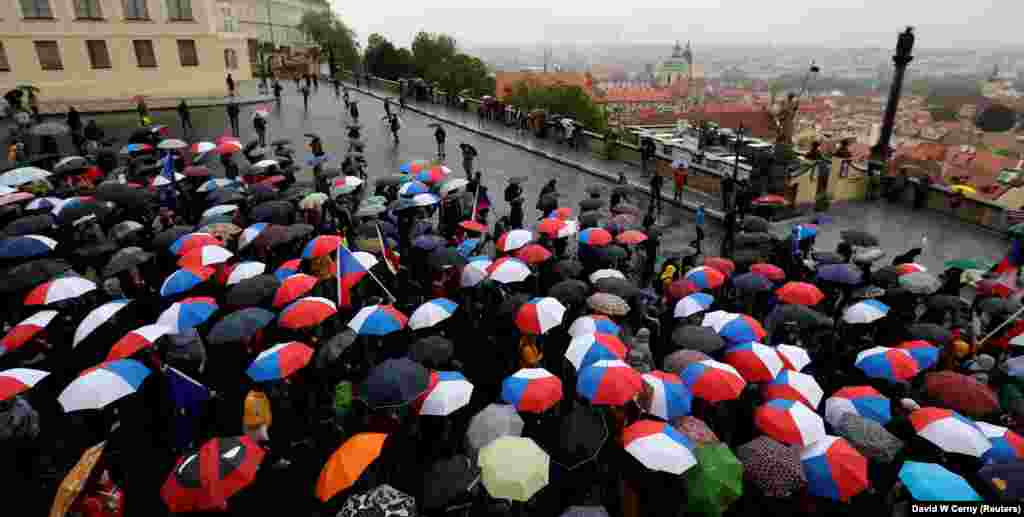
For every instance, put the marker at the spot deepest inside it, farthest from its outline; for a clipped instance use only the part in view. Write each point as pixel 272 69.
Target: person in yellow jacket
pixel 257 417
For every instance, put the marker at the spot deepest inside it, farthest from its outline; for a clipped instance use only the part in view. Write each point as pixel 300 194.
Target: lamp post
pixel 736 163
pixel 880 152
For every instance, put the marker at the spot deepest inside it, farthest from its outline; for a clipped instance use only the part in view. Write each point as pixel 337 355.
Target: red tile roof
pixel 504 82
pixel 626 95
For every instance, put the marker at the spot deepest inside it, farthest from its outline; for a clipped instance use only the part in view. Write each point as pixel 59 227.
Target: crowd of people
pixel 185 335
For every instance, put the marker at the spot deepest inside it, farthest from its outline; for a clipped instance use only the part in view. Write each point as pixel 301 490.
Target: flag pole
pixel 373 276
pixel 1001 325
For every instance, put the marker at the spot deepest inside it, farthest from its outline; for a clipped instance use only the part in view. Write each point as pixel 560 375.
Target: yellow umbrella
pixel 513 468
pixel 348 463
pixel 74 482
pixel 963 189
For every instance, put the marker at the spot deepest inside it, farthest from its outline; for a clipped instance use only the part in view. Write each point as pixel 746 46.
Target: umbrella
pixel 705 277
pixel 287 269
pixel 859 238
pixel 962 393
pixel 205 256
pixel 608 382
pixel 605 273
pixel 868 292
pixel 50 129
pixel 869 438
pixel 920 283
pixel 74 482
pixel 555 228
pixel 101 385
pixel 713 381
pixel 513 468
pixel 1007 446
pixel 693 304
pixel 347 464
pixel 595 237
pixel 631 237
pixel 800 293
pixel 306 312
pixel 752 282
pixel 834 469
pixel 930 332
pixel 429 242
pixel 567 269
pixel 863 401
pixel 735 328
pixel 124 229
pixel 257 290
pixel 136 340
pixel 32 273
pixel 846 274
pixel 932 482
pixel 723 265
pixel 678 361
pixel 569 292
pixel 772 466
pixel 669 397
pixel 950 431
pixel 586 349
pixel 24 331
pixel 270 236
pixel 279 361
pixel 866 311
pixel 394 382
pixel 192 241
pixel 752 223
pixel 594 323
pixel 125 259
pixel 789 422
pixel 320 246
pixel 716 482
pixel 513 240
pixel 770 200
pixel 475 271
pixel 790 385
pixel 608 304
pixel 239 325
pixel 378 320
pixel 446 393
pixel 345 185
pixel 793 357
pixel 26 246
pixel 432 350
pixel 18 380
pixel 32 224
pixel 755 362
pixel 703 339
pixel 539 315
pixel 42 204
pixel 493 422
pixel 659 446
pixel 532 390
pixel 96 318
pixel 135 148
pixel 769 271
pixel 508 270
pixel 59 289
pixel 334 349
pixel 383 500
pixel 188 313
pixel 892 364
pixel 171 143
pixel 244 271
pixel 533 254
pixel 447 482
pixel 575 438
pixel 431 313
pixel 923 352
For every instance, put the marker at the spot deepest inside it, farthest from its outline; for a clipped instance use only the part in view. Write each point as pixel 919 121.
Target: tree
pixel 382 59
pixel 562 99
pixel 464 73
pixel 335 38
pixel 430 52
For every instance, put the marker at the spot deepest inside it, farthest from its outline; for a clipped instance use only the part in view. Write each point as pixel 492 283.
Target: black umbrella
pixel 32 273
pixel 126 259
pixel 944 302
pixel 432 351
pixel 163 240
pixel 258 290
pixel 123 229
pixel 277 212
pixel 224 197
pixel 70 164
pixel 591 204
pixel 73 213
pixel 752 238
pixel 618 286
pixel 938 335
pixel 827 257
pixel 448 482
pixel 753 223
pixel 331 351
pixel 508 309
pixel 239 325
pixel 39 224
pixel 996 305
pixel 442 258
pixel 567 269
pixel 393 383
pixel 570 292
pixel 125 195
pixel 702 339
pixel 859 238
pixel 576 438
pixel 752 282
pixel 271 236
pixel 300 231
pixel 886 276
pixel 804 317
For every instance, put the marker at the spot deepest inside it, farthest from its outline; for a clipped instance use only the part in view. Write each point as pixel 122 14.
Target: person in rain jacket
pixel 439 136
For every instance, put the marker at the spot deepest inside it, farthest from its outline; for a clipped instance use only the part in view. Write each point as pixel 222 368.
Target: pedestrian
pixel 395 125
pixel 231 85
pixel 316 82
pixel 353 111
pixel 401 101
pixel 657 182
pixel 468 155
pixel 514 197
pixel 298 82
pixel 185 116
pixel 647 152
pixel 233 112
pixel 680 169
pixel 260 125
pixel 345 97
pixel 387 106
pixel 277 90
pixel 440 136
pixel 74 120
pixel 143 112
pixel 728 187
pixel 337 87
pixel 305 96
pixel 230 167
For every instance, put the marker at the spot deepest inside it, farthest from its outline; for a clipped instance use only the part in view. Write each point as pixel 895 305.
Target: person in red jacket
pixel 101 498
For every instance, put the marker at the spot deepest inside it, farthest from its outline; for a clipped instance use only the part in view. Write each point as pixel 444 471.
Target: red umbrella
pixel 533 254
pixel 800 293
pixel 473 226
pixel 679 289
pixel 292 288
pixel 630 237
pixel 724 265
pixel 961 393
pixel 561 213
pixel 205 480
pixel 771 200
pixel 197 171
pixel 769 271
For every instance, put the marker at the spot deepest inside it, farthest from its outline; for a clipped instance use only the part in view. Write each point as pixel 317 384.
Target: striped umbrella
pixel 755 362
pixel 184 280
pixel 739 328
pixel 446 393
pixel 378 320
pixel 434 175
pixel 790 385
pixel 279 361
pixel 789 422
pixel 834 469
pixel 188 313
pixel 431 313
pixel 513 240
pixel 306 312
pixel 293 287
pixel 863 401
pixel 18 380
pixel 59 289
pixel 705 277
pixel 669 396
pixel 191 241
pixel 587 349
pixel 101 385
pixel 865 311
pixel 1007 446
pixel 320 246
pixel 593 324
pixel 289 268
pixel 793 357
pixel 205 256
pixel 539 315
pixel 609 383
pixel 24 331
pixel 693 304
pixel 475 271
pixel 723 265
pixel 507 270
pixel 532 390
pixel 659 446
pixel 910 267
pixel 950 431
pixel 887 363
pixel 244 270
pixel 713 381
pixel 249 234
pixel 97 317
pixel 412 188
pixel 595 237
pixel 922 351
pixel 132 342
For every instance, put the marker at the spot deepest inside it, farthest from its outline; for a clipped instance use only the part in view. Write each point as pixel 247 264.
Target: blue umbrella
pixel 239 325
pixel 468 246
pixel 313 161
pixel 428 242
pixel 932 482
pixel 183 280
pixel 841 274
pixel 26 246
pixel 752 282
pixel 394 382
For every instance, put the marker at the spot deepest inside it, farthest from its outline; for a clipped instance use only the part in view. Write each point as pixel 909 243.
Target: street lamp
pixel 736 163
pixel 904 46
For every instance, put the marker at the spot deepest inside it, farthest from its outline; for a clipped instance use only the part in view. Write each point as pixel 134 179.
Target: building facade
pixel 276 21
pixel 116 49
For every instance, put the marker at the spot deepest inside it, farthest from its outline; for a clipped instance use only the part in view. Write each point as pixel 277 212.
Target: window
pixel 49 55
pixel 4 65
pixel 36 9
pixel 144 53
pixel 187 52
pixel 179 10
pixel 230 59
pixel 88 10
pixel 136 10
pixel 99 56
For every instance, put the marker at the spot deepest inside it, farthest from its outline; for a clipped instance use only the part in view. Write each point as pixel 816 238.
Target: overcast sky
pixel 833 23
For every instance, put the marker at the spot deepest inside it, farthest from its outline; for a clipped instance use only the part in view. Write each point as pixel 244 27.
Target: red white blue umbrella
pixel 202 147
pixel 245 270
pixel 865 311
pixel 132 342
pixel 595 237
pixel 922 351
pixel 433 175
pixel 693 304
pixel 513 240
pixel 755 362
pixel 593 324
pixel 217 210
pixel 532 390
pixel 893 364
pixel 713 381
pixel 910 267
pixel 378 320
pixel 205 256
pixel 188 313
pixel 18 380
pixel 789 422
pixel 249 234
pixel 950 431
pixel 414 166
pixel 306 312
pixel 790 385
pixel 184 280
pixel 288 269
pixel 863 401
pixel 588 349
pixel 294 287
pixel 59 289
pixel 44 203
pixel 739 328
pixel 97 317
pixel 279 361
pixel 659 446
pixel 446 393
pixel 412 188
pixel 507 270
pixel 669 396
pixel 101 385
pixel 834 469
pixel 793 357
pixel 555 228
pixel 705 277
pixel 320 246
pixel 23 332
pixel 191 241
pixel 539 315
pixel 26 246
pixel 475 271
pixel 431 313
pixel 1007 446
pixel 609 383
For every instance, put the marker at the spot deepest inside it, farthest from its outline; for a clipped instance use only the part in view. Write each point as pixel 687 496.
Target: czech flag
pixel 670 398
pixel 834 469
pixel 352 267
pixel 279 361
pixel 532 390
pixel 1007 446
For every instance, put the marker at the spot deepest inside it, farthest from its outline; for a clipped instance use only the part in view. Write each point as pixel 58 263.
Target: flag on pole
pixel 189 396
pixel 389 255
pixel 797 237
pixel 168 193
pixel 350 271
pixel 1013 260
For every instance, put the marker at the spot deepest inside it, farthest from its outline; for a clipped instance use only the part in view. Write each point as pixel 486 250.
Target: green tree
pixel 335 38
pixel 464 73
pixel 430 52
pixel 382 59
pixel 562 99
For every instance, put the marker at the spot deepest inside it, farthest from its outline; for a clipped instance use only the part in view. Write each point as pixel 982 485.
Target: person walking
pixel 395 125
pixel 260 125
pixel 316 82
pixel 657 182
pixel 680 169
pixel 186 117
pixel 468 155
pixel 728 187
pixel 647 151
pixel 231 85
pixel 345 97
pixel 75 124
pixel 277 90
pixel 143 112
pixel 233 112
pixel 337 88
pixel 514 197
pixel 305 96
pixel 440 135
pixel 353 111
pixel 387 106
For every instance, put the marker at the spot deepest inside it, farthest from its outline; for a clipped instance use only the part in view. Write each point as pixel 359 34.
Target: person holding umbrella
pixel 185 116
pixel 75 124
pixel 353 110
pixel 260 125
pixel 305 96
pixel 468 155
pixel 439 136
pixel 514 197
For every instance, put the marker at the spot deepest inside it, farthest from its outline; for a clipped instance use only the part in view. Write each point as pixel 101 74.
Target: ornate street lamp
pixel 880 152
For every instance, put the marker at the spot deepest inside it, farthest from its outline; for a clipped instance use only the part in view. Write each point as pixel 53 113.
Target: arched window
pixel 230 59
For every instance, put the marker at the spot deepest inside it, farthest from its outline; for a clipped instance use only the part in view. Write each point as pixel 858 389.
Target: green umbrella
pixel 716 483
pixel 970 263
pixel 513 468
pixel 1016 230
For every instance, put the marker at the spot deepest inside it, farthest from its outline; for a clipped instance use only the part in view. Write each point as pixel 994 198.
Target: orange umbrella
pixel 348 463
pixel 726 266
pixel 631 237
pixel 74 482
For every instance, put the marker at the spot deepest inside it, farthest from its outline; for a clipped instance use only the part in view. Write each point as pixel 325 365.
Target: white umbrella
pixel 605 273
pixel 245 270
pixel 23 175
pixel 171 143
